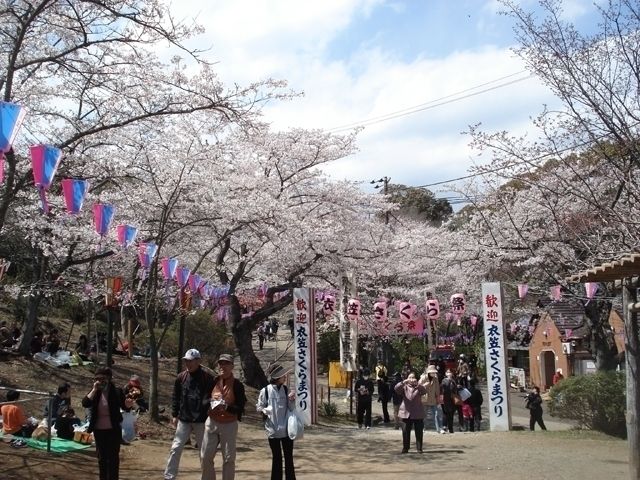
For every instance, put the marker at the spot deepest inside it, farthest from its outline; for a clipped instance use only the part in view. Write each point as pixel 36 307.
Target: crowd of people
pixel 440 392
pixel 207 408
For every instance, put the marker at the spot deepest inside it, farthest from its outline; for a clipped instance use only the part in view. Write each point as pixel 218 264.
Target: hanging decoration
pixel 11 116
pixel 523 288
pixel 44 160
pixel 458 304
pixel 182 276
pixel 102 217
pixel 556 292
pixel 380 311
pixel 591 288
pixel 432 307
pixel 126 235
pixel 406 311
pixel 146 253
pixel 353 310
pixel 194 282
pixel 329 305
pixel 74 192
pixel 169 267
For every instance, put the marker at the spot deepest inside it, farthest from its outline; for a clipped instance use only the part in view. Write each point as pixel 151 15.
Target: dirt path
pixel 342 452
pixel 348 453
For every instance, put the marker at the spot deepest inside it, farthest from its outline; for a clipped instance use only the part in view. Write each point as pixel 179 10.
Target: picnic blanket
pixel 58 445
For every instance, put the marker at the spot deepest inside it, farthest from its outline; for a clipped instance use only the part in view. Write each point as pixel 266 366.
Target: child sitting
pixel 65 422
pixel 14 421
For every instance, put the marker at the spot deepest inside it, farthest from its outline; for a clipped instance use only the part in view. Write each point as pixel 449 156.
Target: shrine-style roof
pixel 627 266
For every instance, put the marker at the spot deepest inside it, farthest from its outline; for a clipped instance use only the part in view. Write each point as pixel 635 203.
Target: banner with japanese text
pixel 305 358
pixel 348 327
pixel 496 358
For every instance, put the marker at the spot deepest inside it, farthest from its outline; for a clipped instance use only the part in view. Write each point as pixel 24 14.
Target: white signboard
pixel 306 367
pixel 496 358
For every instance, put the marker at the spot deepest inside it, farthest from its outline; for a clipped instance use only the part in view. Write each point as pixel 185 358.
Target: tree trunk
pixel 153 381
pixel 31 322
pixel 241 329
pixel 632 344
pixel 603 348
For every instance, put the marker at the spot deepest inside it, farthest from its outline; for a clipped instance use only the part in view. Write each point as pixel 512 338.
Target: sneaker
pixel 442 430
pixel 367 428
pixel 404 450
pixel 360 425
pixel 18 444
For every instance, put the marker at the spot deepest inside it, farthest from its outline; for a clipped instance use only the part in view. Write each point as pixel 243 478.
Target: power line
pixel 438 102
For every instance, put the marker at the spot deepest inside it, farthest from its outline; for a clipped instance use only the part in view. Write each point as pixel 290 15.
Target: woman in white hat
pixel 275 401
pixel 431 400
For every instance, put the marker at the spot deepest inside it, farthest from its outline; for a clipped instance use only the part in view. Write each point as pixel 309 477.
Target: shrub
pixel 328 409
pixel 595 401
pixel 328 346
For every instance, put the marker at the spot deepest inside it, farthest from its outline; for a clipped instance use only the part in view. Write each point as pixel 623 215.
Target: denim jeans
pixel 435 413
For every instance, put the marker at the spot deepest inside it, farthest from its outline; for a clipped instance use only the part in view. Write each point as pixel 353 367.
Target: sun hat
pixel 192 354
pixel 225 357
pixel 432 369
pixel 276 371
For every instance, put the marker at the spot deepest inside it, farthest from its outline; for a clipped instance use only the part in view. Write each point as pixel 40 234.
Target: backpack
pixel 266 398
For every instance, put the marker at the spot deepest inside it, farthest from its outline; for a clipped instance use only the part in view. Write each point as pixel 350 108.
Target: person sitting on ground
pixel 61 401
pixel 66 422
pixel 82 347
pixel 16 335
pixel 52 342
pixel 5 336
pixel 14 420
pixel 36 343
pixel 134 391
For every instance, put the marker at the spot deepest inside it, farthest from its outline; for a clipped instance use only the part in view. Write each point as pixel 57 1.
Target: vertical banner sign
pixel 496 358
pixel 348 329
pixel 306 368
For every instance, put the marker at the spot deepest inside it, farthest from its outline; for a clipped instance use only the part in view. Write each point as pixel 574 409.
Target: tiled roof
pixel 566 314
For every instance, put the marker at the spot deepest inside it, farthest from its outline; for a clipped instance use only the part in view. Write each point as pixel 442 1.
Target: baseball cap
pixel 192 354
pixel 225 357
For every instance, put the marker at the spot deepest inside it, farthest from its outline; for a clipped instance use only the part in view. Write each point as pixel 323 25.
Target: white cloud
pixel 288 39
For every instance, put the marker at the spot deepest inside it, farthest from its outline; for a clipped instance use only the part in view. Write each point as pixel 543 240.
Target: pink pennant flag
pixel 556 293
pixel 523 288
pixel 591 288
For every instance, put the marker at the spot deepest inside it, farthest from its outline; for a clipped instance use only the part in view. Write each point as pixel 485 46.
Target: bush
pixel 328 346
pixel 595 401
pixel 328 409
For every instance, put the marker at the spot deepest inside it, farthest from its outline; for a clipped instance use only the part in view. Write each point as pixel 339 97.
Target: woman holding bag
pixel 275 402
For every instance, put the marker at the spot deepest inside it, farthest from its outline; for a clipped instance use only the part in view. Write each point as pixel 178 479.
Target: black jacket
pixel 237 408
pixel 191 395
pixel 115 397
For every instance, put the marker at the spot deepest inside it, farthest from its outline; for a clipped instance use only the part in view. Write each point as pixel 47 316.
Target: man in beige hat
pixel 221 428
pixel 431 400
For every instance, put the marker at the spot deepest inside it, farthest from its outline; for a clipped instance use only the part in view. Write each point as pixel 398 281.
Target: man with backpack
pixel 191 395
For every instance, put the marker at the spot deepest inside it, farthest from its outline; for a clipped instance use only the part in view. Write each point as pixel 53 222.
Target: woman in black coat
pixel 105 401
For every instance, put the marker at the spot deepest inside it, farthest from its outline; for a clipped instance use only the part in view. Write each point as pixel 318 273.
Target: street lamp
pixel 113 285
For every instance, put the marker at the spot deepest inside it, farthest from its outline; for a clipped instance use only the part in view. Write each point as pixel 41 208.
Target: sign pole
pixel 496 358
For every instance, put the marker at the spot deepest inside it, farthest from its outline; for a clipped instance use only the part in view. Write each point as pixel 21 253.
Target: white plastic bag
pixel 129 426
pixel 295 425
pixel 463 393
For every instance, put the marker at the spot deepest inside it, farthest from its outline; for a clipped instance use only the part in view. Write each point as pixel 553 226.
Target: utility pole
pixel 384 183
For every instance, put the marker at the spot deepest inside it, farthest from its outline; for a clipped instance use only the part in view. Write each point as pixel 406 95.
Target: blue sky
pixel 360 59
